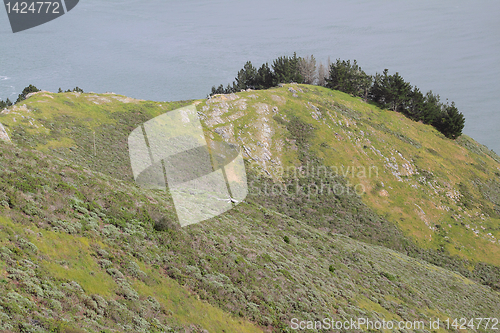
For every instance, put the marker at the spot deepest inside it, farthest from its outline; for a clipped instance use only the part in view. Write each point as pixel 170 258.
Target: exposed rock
pixel 3 134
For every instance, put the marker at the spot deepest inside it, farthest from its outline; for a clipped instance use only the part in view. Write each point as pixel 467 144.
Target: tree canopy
pixel 389 91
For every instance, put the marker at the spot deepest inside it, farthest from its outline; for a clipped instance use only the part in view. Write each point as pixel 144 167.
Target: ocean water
pixel 172 50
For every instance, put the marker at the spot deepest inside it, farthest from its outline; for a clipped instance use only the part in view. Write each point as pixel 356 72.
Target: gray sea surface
pixel 173 50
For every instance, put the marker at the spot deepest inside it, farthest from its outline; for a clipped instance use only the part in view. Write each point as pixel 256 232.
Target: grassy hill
pixel 80 250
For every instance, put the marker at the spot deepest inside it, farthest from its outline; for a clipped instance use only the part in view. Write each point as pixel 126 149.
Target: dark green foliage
pixel 390 91
pixel 349 78
pixel 286 239
pixel 5 104
pixel 431 109
pixel 265 77
pixel 415 104
pixel 247 77
pixel 451 122
pixel 286 70
pixel 166 223
pixel 218 90
pixel 389 276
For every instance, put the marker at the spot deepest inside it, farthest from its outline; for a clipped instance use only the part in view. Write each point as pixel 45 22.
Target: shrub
pixel 165 223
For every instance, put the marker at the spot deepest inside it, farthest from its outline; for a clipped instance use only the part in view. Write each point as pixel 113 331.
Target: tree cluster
pixel 394 93
pixel 21 97
pixel 283 70
pixel 77 89
pixel 5 104
pixel 349 78
pixel 28 90
pixel 389 91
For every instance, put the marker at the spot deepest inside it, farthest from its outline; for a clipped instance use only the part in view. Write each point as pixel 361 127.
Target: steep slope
pixel 274 257
pixel 78 249
pixel 444 194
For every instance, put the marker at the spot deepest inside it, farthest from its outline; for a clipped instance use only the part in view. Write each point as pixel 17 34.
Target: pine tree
pixel 415 104
pixel 286 70
pixel 391 91
pixel 265 77
pixel 431 111
pixel 247 76
pixel 28 90
pixel 349 78
pixel 451 122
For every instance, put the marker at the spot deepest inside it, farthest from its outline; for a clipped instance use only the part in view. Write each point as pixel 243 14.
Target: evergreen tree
pixel 415 104
pixel 247 76
pixel 28 90
pixel 229 89
pixel 390 91
pixel 432 109
pixel 60 90
pixel 286 70
pixel 451 122
pixel 218 90
pixel 265 77
pixel 349 78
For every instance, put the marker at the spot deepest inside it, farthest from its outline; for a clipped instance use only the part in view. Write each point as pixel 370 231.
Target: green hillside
pixel 445 194
pixel 81 251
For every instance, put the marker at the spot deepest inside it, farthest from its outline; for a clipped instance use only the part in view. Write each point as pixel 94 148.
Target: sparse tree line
pixel 388 91
pixel 28 90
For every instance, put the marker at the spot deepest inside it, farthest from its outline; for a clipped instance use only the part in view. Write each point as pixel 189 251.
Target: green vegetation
pixel 349 78
pixel 388 91
pixel 83 248
pixel 28 90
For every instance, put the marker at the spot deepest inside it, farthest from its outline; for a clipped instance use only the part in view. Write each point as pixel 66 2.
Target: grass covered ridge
pixel 72 215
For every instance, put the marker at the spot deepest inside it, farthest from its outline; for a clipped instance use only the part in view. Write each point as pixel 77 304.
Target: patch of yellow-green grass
pixel 64 142
pixel 75 105
pixel 368 305
pixel 69 257
pixel 188 309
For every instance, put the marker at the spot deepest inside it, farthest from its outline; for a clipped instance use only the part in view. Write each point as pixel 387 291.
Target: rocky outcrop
pixel 3 134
